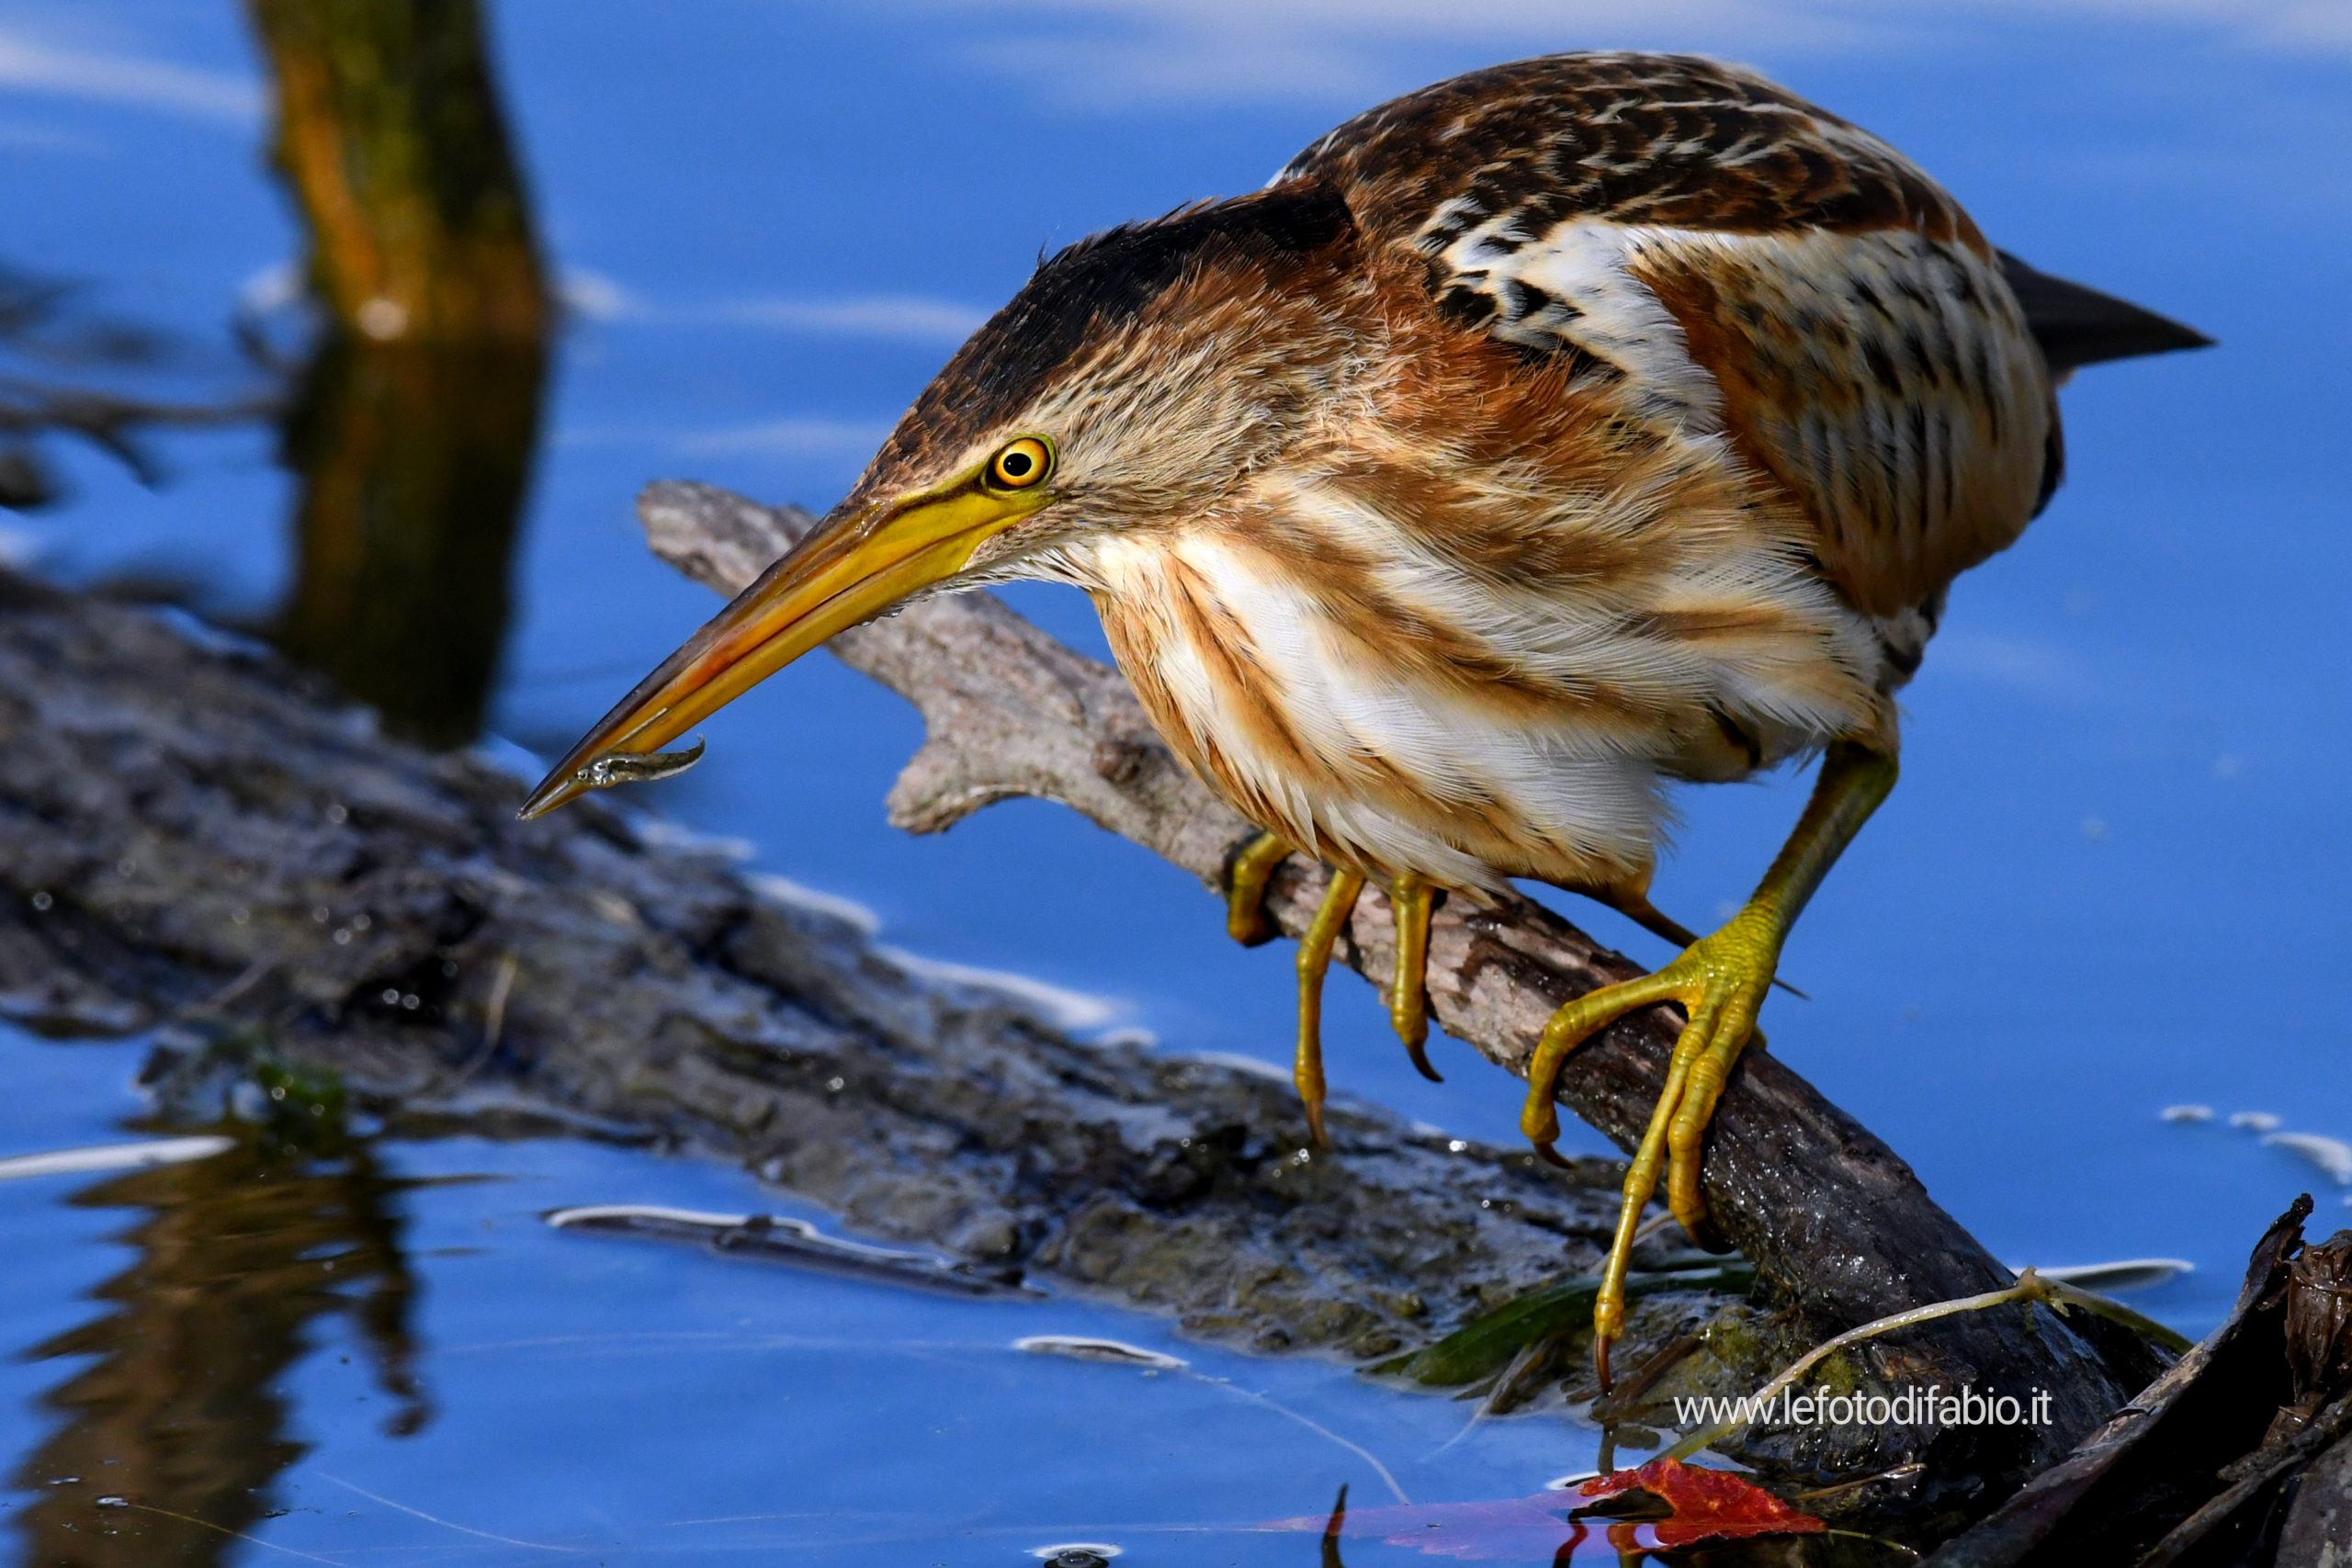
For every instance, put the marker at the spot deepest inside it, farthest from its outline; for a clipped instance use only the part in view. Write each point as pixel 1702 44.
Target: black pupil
pixel 1016 465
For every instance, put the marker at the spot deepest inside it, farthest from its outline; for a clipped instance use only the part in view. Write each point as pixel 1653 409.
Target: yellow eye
pixel 1023 463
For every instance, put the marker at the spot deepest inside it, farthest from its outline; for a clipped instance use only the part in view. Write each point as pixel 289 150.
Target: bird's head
pixel 1139 377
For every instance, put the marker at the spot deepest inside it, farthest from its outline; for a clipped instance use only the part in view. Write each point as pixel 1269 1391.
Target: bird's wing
pixel 1736 261
pixel 1676 141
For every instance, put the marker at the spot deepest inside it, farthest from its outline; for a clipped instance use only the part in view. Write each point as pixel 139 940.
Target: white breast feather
pixel 1592 800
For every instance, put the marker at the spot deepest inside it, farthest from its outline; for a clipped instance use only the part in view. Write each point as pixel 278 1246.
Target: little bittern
pixel 1539 438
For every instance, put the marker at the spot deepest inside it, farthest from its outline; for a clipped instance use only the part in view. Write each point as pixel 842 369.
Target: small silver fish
pixel 633 767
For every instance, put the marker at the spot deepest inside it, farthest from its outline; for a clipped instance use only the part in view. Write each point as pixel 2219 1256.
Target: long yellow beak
pixel 851 569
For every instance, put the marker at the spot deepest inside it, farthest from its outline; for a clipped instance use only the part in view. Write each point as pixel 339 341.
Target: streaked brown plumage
pixel 1536 439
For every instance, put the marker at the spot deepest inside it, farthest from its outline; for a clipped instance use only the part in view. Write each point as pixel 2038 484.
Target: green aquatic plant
pixel 1487 1344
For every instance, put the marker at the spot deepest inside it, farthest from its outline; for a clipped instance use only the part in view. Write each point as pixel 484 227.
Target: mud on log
pixel 197 838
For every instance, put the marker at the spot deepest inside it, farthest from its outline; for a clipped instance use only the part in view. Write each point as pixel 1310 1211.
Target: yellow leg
pixel 1633 903
pixel 1408 992
pixel 1245 889
pixel 1313 961
pixel 1721 981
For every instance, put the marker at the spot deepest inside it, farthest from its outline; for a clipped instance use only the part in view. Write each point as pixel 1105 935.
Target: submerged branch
pixel 200 841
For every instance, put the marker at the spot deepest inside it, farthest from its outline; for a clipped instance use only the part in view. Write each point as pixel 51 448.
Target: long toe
pixel 1410 901
pixel 1247 869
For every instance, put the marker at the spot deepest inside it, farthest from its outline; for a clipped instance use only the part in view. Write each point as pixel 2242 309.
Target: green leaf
pixel 1483 1344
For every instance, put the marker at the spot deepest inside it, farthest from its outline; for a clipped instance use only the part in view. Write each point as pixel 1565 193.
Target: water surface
pixel 2109 882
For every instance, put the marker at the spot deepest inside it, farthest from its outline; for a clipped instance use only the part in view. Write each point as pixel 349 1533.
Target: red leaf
pixel 1709 1504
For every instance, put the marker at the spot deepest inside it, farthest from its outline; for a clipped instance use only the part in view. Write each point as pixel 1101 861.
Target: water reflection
pixel 414 458
pixel 415 423
pixel 170 1440
pixel 69 371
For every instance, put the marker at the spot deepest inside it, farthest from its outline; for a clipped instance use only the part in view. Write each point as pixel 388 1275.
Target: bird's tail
pixel 2078 326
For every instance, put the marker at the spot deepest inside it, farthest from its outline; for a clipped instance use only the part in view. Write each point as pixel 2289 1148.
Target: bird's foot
pixel 1411 897
pixel 1247 871
pixel 1721 981
pixel 1314 962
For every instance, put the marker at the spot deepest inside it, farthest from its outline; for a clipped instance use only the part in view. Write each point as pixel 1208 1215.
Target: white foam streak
pixel 185 90
pixel 114 1157
pixel 1071 1011
pixel 2332 1155
pixel 783 890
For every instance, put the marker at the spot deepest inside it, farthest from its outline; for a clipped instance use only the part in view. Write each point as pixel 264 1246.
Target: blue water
pixel 588 1395
pixel 2111 881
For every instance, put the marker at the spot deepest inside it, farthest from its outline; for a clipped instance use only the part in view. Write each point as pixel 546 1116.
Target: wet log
pixel 2318 1526
pixel 2237 1456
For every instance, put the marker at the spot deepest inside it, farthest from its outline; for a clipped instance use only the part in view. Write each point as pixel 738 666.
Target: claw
pixel 1720 982
pixel 1633 903
pixel 1571 1027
